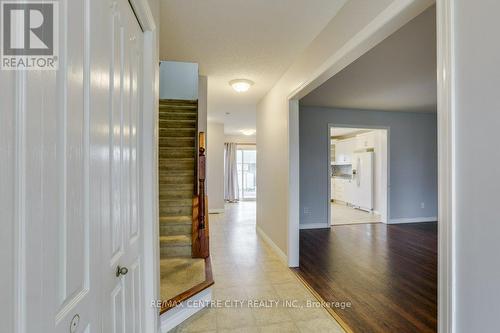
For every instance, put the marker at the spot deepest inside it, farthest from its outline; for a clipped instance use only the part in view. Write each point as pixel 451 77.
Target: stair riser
pixel 187 124
pixel 177 203
pixel 174 181
pixel 175 251
pixel 171 153
pixel 171 169
pixel 176 164
pixel 175 229
pixel 164 189
pixel 178 106
pixel 174 175
pixel 176 142
pixel 177 116
pixel 175 211
pixel 176 195
pixel 177 132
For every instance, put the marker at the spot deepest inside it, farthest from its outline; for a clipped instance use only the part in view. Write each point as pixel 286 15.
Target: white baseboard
pixel 413 220
pixel 276 249
pixel 186 309
pixel 216 211
pixel 313 226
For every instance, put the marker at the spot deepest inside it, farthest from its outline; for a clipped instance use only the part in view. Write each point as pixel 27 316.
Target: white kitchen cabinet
pixel 343 151
pixel 342 190
pixel 348 191
pixel 332 188
pixel 366 140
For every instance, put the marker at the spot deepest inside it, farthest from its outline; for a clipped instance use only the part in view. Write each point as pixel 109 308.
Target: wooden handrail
pixel 200 247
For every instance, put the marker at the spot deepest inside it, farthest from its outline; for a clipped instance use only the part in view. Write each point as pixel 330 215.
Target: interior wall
pixel 476 225
pixel 412 159
pixel 273 110
pixel 250 139
pixel 215 167
pixel 178 80
pixel 202 103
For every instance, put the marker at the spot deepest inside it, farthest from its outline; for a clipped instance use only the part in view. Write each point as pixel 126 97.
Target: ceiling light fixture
pixel 248 131
pixel 241 85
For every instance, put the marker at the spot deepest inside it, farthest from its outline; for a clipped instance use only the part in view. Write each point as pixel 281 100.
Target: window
pixel 246 160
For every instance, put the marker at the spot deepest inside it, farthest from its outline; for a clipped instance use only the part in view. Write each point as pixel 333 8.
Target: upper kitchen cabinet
pixel 366 140
pixel 343 151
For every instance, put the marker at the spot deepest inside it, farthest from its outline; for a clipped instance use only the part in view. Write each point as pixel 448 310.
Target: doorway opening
pixel 358 171
pixel 246 161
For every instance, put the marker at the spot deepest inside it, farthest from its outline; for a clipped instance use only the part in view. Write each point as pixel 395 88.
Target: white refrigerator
pixel 362 187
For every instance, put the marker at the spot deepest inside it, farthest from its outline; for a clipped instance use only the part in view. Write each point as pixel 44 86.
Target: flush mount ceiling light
pixel 241 85
pixel 248 131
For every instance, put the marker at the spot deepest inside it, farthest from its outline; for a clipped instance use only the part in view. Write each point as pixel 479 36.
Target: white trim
pixel 144 14
pixel 186 309
pixel 216 211
pixel 293 238
pixel 304 226
pixel 446 165
pixel 274 247
pixel 402 220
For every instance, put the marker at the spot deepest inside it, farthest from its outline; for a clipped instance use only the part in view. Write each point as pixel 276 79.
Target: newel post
pixel 200 246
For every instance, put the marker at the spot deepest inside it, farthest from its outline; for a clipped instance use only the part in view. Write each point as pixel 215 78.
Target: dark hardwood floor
pixel 387 272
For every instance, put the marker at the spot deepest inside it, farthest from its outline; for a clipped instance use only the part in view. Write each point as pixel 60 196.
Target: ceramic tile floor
pixel 342 214
pixel 246 268
pixel 179 275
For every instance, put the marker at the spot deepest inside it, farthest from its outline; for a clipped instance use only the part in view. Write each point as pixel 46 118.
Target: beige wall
pixel 273 109
pixel 240 139
pixel 215 167
pixel 202 103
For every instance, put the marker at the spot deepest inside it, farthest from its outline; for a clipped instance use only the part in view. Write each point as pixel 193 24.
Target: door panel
pixel 118 308
pixel 69 179
pixel 122 238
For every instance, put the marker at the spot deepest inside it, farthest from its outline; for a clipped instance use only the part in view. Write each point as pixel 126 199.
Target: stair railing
pixel 201 179
pixel 200 238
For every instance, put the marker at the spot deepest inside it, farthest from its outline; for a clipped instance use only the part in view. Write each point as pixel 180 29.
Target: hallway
pixel 246 268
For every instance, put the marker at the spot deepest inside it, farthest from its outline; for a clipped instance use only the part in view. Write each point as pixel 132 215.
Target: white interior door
pixel 70 179
pixel 122 236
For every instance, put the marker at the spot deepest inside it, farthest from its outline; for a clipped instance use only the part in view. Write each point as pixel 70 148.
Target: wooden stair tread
pixel 181 219
pixel 178 240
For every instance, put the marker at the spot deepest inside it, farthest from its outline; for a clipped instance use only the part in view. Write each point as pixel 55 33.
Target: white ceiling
pixel 399 74
pixel 343 131
pixel 230 39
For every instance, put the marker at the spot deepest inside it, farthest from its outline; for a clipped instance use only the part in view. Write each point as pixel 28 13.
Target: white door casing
pixel 70 170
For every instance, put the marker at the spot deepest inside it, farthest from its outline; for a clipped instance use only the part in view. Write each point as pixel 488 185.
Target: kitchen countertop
pixel 344 176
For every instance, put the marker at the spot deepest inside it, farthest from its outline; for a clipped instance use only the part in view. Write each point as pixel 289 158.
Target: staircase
pixel 177 163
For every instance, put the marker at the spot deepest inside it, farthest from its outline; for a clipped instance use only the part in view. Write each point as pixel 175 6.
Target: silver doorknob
pixel 121 271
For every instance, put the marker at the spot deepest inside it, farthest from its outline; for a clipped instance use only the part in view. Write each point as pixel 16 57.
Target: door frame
pixel 149 167
pixel 387 188
pixel 397 15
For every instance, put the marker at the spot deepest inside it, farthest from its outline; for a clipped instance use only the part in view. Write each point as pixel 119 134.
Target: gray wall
pixel 412 159
pixel 476 223
pixel 178 80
